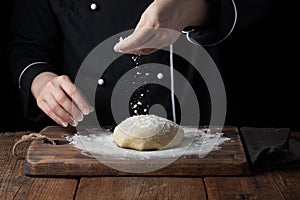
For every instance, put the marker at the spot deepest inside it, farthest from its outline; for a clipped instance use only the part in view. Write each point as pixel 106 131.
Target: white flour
pixel 146 124
pixel 99 144
pixel 172 83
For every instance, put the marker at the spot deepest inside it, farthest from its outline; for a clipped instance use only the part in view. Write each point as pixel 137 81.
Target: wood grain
pixel 15 185
pixel 45 159
pixel 106 188
pixel 283 184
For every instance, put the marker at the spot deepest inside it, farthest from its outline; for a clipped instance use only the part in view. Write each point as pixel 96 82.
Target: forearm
pixel 251 11
pixel 33 47
pixel 226 17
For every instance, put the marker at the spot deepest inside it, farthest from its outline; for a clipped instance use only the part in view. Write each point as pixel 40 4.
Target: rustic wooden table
pixel 280 184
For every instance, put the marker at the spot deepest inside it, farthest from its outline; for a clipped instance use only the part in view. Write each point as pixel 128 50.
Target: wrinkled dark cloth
pixel 270 148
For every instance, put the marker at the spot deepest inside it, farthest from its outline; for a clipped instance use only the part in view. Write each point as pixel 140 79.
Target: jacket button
pixel 100 81
pixel 93 6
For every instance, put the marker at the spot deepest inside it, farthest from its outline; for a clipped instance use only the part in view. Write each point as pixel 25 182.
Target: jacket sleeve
pixel 33 48
pixel 230 15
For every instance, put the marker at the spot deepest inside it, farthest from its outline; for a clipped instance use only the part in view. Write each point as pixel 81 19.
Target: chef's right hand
pixel 60 99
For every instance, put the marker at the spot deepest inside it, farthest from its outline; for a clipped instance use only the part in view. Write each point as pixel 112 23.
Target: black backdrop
pixel 260 74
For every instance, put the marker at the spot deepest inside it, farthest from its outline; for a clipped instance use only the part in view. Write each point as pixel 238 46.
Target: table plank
pixel 141 188
pixel 283 184
pixel 15 185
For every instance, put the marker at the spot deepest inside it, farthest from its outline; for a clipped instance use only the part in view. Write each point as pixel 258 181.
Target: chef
pixel 51 38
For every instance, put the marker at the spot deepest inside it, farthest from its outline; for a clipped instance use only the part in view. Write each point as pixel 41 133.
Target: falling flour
pixel 172 83
pixel 99 143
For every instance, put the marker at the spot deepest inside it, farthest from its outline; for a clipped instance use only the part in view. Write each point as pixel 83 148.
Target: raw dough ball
pixel 147 132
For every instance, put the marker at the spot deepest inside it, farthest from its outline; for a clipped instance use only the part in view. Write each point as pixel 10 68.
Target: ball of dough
pixel 147 132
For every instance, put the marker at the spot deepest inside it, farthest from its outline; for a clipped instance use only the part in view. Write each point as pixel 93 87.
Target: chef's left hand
pixel 161 24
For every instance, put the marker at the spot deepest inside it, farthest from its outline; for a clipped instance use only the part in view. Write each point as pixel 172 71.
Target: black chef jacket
pixel 57 35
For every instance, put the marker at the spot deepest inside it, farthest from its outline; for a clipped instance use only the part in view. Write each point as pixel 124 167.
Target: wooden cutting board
pixel 63 159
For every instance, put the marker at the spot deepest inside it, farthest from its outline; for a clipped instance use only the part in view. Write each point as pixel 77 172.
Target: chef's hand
pixel 168 14
pixel 60 99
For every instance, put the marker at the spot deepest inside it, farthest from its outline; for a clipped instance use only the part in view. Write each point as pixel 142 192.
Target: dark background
pixel 260 73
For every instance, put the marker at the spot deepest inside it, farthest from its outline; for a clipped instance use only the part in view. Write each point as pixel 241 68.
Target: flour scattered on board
pixel 99 143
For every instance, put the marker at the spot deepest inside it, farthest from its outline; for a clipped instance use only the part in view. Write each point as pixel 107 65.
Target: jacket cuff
pixel 30 108
pixel 224 24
